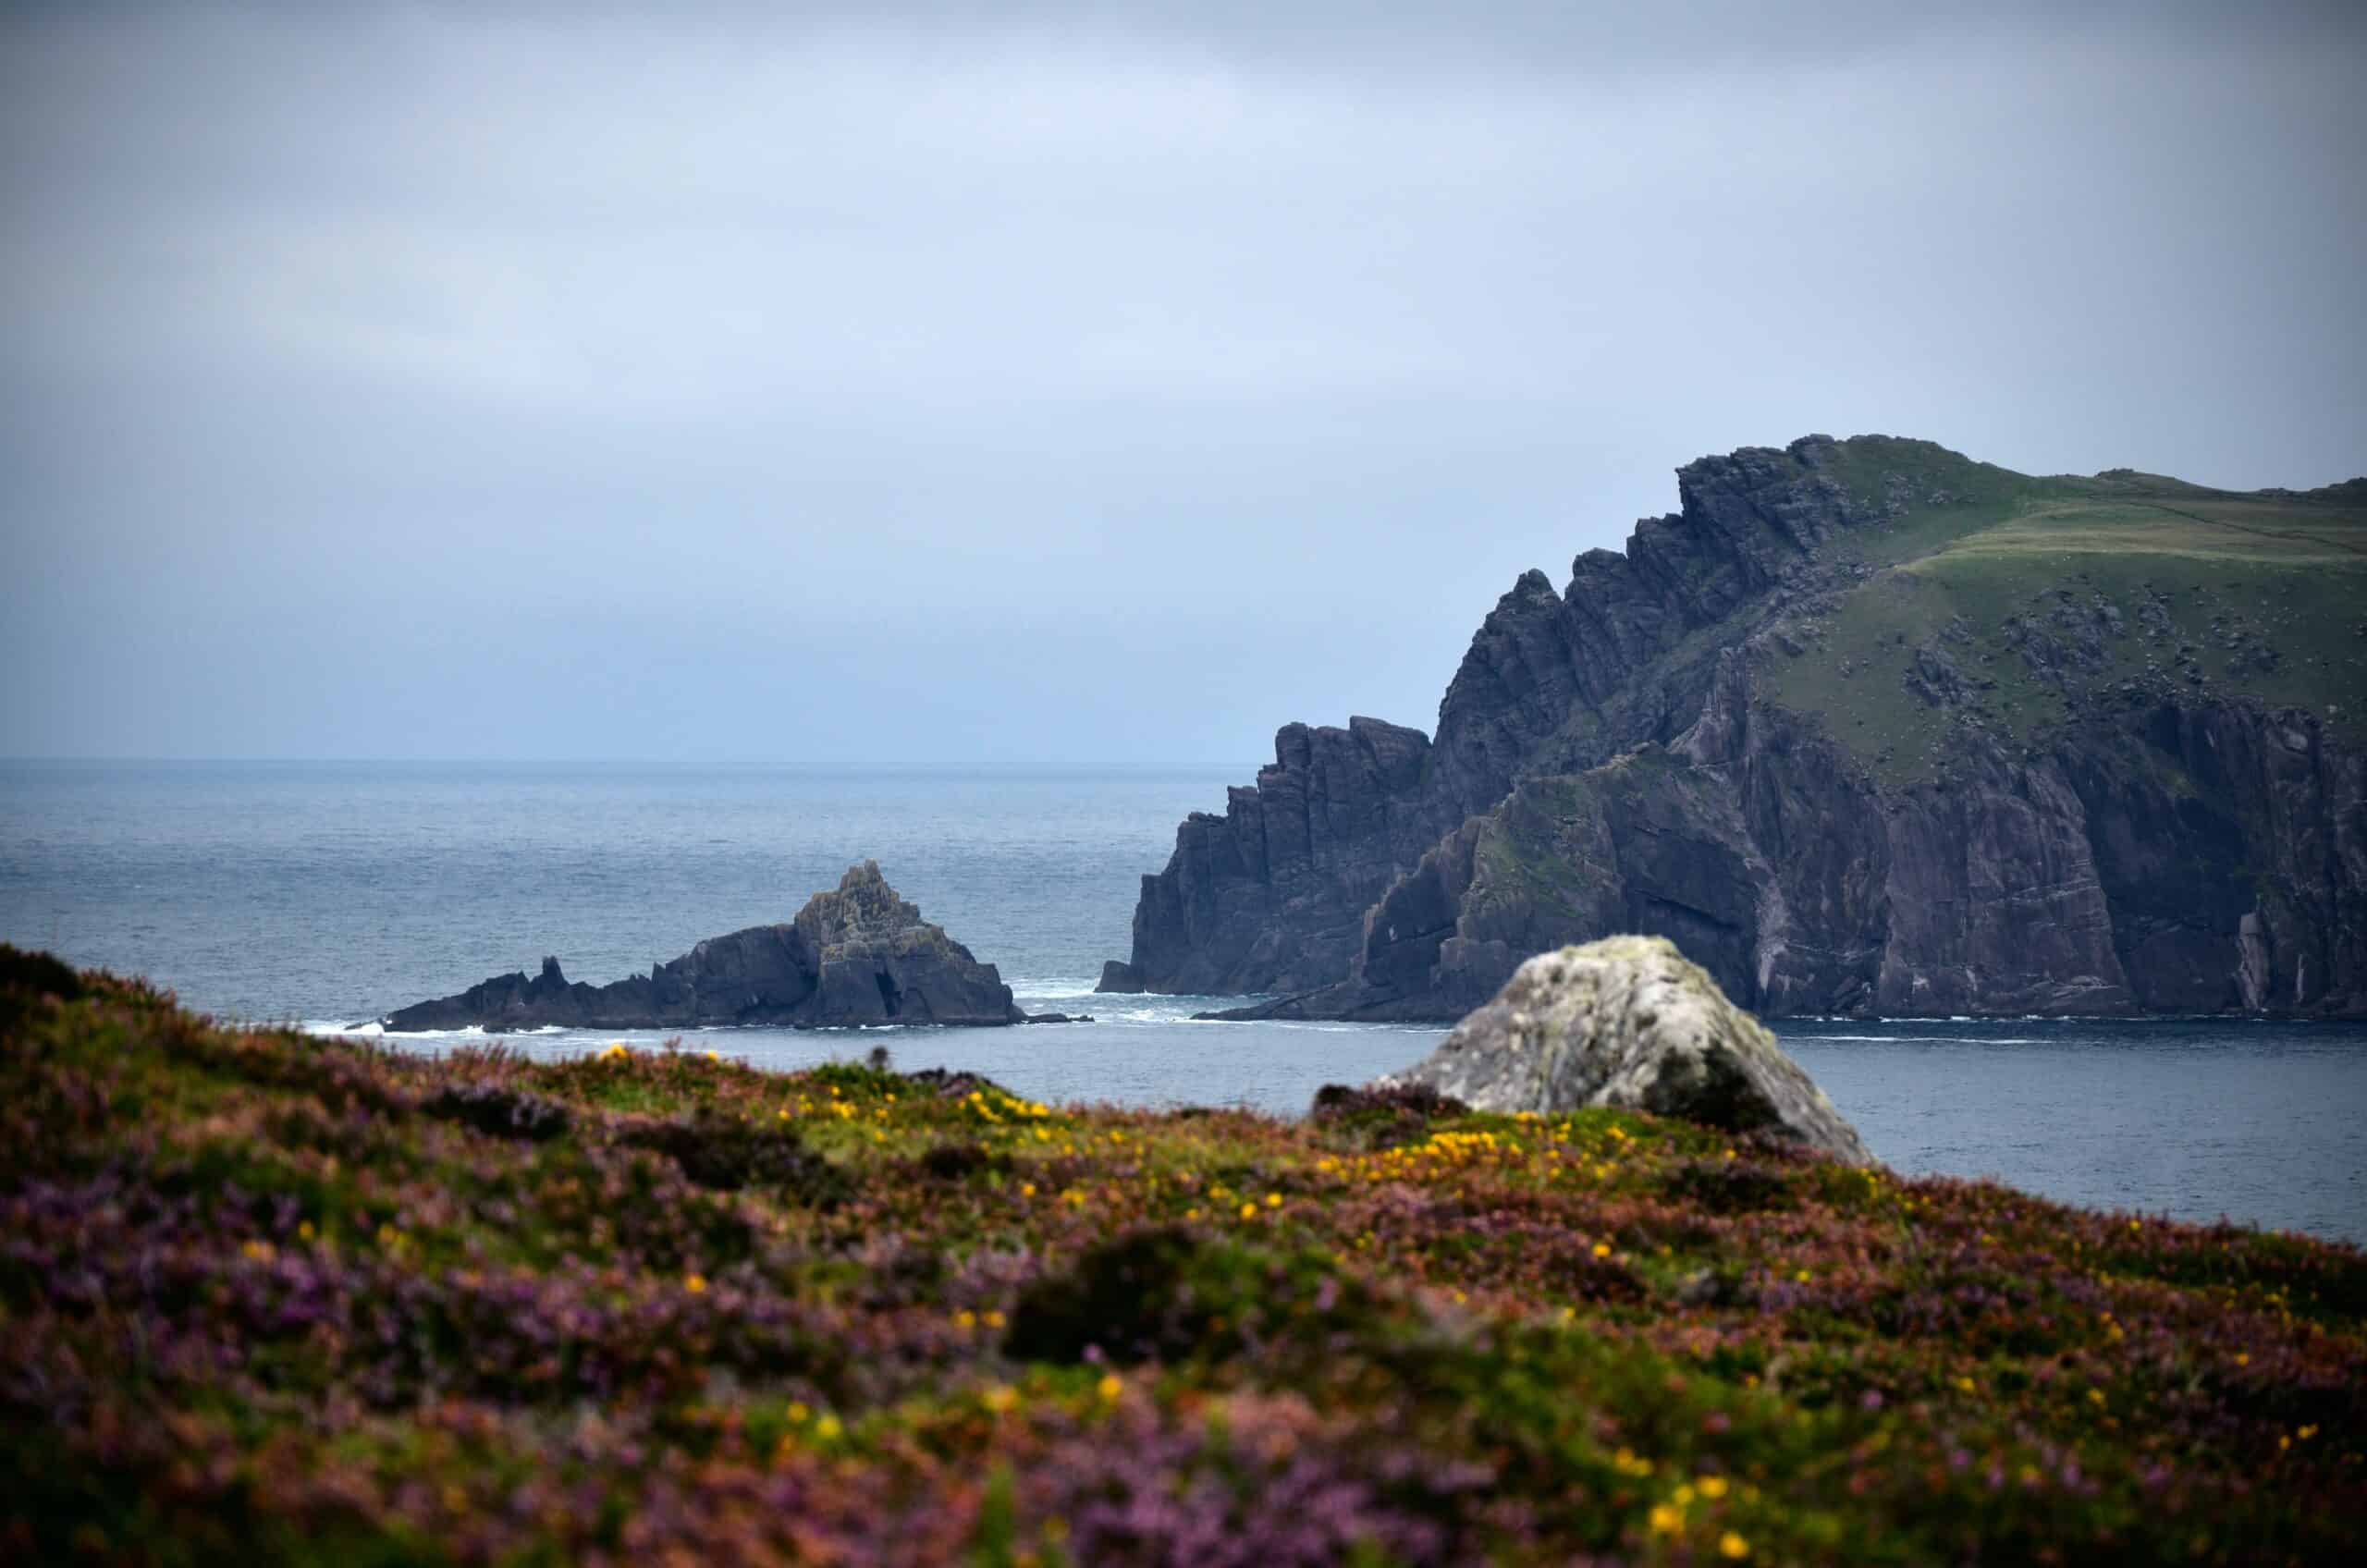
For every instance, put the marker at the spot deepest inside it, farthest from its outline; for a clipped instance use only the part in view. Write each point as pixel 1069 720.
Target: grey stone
pixel 1629 1023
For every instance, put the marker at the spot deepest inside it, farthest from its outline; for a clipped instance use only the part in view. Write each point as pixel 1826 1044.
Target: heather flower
pixel 862 1317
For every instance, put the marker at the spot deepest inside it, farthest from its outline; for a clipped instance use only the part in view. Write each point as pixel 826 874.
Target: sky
pixel 1060 385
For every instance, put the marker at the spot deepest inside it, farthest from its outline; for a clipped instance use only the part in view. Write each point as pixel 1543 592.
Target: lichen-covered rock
pixel 1628 1023
pixel 856 954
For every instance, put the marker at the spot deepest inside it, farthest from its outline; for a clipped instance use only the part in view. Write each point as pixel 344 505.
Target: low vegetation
pixel 264 1298
pixel 2041 595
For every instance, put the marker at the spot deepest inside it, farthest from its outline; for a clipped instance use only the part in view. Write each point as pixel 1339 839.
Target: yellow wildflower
pixel 1712 1487
pixel 1109 1387
pixel 694 1283
pixel 1733 1545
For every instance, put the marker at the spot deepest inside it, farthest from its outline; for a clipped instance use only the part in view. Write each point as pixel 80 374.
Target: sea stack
pixel 855 955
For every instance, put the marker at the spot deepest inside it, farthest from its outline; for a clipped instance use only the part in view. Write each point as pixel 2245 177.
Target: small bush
pixel 499 1112
pixel 1163 1294
pixel 956 1162
pixel 1379 1117
pixel 726 1154
pixel 1727 1187
pixel 37 973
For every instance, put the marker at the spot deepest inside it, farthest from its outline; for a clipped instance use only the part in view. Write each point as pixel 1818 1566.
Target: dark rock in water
pixel 856 955
pixel 1119 978
pixel 1627 1022
pixel 1057 1018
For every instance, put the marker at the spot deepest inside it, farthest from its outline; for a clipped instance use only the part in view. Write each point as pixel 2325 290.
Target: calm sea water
pixel 324 893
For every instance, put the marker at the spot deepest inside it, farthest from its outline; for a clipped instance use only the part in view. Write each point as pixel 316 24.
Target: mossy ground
pixel 266 1298
pixel 2232 575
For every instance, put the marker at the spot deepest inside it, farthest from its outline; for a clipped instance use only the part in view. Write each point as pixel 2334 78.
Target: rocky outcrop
pixel 1628 1023
pixel 1271 895
pixel 856 955
pixel 1119 978
pixel 1623 757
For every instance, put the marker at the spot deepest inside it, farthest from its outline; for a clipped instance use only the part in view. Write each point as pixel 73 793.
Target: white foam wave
pixel 334 1029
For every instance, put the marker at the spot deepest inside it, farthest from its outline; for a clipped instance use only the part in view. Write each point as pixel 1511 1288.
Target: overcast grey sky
pixel 1100 383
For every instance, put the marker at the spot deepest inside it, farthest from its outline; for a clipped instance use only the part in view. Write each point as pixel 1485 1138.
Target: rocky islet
pixel 857 954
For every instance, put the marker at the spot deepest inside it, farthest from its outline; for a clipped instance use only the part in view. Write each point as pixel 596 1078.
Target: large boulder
pixel 1627 1021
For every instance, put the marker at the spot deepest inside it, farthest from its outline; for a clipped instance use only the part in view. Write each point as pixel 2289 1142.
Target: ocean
pixel 320 894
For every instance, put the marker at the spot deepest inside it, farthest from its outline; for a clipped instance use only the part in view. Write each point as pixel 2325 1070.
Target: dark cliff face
pixel 1622 757
pixel 856 955
pixel 1271 895
pixel 2217 828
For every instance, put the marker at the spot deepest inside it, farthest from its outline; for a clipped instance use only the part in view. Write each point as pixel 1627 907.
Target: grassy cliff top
pixel 267 1298
pixel 2045 592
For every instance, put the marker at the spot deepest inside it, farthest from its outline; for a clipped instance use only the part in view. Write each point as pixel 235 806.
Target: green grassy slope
pixel 2192 589
pixel 268 1299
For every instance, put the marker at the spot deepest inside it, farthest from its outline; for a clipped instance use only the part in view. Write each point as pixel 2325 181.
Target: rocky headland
pixel 855 955
pixel 1865 727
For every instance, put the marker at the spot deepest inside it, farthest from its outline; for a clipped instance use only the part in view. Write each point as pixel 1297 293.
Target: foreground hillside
pixel 1866 727
pixel 263 1298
